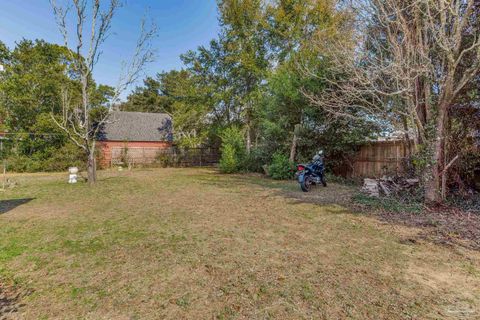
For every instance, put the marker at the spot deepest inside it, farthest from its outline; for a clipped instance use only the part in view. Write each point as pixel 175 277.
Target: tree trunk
pixel 248 121
pixel 91 168
pixel 293 148
pixel 408 139
pixel 433 179
pixel 249 137
pixel 446 148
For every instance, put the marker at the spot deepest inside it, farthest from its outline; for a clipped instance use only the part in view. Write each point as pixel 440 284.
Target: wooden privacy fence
pixel 375 159
pixel 380 158
pixel 173 156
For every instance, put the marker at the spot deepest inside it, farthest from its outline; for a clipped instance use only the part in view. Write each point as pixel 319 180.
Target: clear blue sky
pixel 182 25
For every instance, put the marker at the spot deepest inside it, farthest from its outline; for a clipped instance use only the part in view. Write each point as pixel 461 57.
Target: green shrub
pixel 166 160
pixel 234 136
pixel 233 150
pixel 254 161
pixel 21 163
pixel 281 167
pixel 60 159
pixel 229 162
pixel 67 156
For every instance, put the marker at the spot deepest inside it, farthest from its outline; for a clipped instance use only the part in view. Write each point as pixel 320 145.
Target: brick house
pixel 135 137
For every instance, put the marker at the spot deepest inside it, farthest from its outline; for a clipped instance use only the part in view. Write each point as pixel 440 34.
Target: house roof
pixel 137 126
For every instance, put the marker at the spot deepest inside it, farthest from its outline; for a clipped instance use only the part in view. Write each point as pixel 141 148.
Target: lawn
pixel 195 244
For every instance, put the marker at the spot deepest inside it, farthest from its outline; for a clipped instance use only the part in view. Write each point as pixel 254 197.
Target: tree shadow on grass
pixel 333 194
pixel 10 301
pixel 443 225
pixel 7 205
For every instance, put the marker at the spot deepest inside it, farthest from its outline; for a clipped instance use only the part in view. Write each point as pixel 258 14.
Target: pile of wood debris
pixel 386 186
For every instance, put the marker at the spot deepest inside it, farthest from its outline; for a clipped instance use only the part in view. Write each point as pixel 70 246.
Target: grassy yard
pixel 194 244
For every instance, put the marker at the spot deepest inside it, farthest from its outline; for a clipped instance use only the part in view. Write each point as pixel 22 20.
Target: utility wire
pixel 29 134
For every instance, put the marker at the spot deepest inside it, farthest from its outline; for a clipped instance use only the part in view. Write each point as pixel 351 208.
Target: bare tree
pixel 92 24
pixel 409 62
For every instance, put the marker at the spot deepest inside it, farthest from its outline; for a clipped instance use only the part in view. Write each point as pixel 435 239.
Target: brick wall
pixel 137 151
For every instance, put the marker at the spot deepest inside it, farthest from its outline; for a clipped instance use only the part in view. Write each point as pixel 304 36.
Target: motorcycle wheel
pixel 306 184
pixel 323 182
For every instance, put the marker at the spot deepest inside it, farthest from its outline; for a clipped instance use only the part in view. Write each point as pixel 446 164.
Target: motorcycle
pixel 312 174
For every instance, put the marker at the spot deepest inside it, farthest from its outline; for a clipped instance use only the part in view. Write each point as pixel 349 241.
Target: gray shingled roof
pixel 137 126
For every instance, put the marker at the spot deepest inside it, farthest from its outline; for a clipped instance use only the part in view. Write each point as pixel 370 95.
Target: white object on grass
pixel 72 178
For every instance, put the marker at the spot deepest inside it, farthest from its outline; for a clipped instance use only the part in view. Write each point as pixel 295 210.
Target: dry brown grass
pixel 194 244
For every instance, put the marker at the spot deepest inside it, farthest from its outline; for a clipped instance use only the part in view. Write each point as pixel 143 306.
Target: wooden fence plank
pixel 380 158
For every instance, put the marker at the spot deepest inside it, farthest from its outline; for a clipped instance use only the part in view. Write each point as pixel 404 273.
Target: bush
pixel 67 156
pixel 21 163
pixel 164 160
pixel 229 162
pixel 60 159
pixel 168 159
pixel 234 136
pixel 233 150
pixel 281 167
pixel 254 161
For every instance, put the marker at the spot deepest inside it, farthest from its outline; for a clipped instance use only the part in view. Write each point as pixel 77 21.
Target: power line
pixel 29 134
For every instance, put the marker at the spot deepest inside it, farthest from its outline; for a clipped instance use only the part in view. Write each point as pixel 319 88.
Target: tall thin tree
pixel 92 24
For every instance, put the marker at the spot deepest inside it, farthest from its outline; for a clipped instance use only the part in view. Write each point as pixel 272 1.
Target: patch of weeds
pixel 135 317
pixel 84 246
pixel 102 293
pixel 75 292
pixel 306 292
pixel 9 278
pixel 226 289
pixel 471 269
pixel 177 238
pixel 226 313
pixel 11 250
pixel 183 301
pixel 263 289
pixel 388 204
pixel 38 263
pixel 469 203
